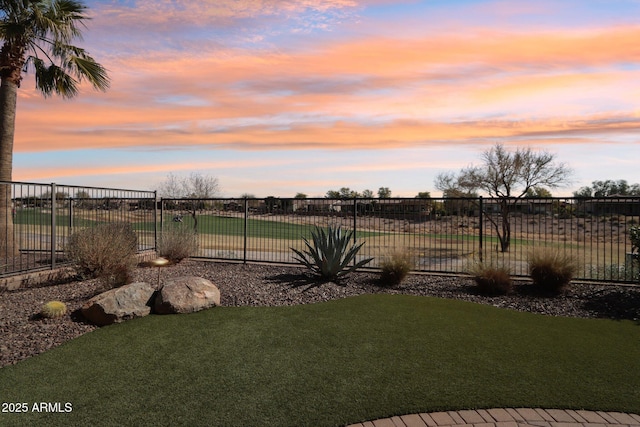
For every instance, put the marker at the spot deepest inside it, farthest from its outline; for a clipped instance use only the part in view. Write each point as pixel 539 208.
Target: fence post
pixel 155 221
pixel 53 225
pixel 355 225
pixel 161 220
pixel 481 228
pixel 246 221
pixel 70 215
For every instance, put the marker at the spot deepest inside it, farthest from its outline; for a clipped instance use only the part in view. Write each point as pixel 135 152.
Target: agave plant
pixel 330 254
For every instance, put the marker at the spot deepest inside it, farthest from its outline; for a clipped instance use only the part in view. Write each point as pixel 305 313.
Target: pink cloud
pixel 368 93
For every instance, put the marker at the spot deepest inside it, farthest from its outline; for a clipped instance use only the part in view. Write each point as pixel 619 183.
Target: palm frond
pixel 37 34
pixel 53 79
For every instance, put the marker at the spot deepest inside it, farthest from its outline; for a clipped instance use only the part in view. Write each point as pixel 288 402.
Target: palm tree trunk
pixel 8 99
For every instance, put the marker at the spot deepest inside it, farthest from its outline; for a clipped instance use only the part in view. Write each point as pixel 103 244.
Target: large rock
pixel 117 305
pixel 186 295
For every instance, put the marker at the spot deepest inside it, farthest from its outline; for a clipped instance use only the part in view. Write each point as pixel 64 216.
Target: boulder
pixel 119 304
pixel 186 295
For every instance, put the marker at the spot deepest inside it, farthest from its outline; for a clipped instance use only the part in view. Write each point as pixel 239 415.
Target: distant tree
pixel 300 196
pixel 508 176
pixel 247 196
pixel 608 188
pixel 538 192
pixel 367 194
pixel 272 203
pixel 82 195
pixel 60 196
pixel 343 193
pixel 384 193
pixel 195 186
pixel 83 200
pixel 423 195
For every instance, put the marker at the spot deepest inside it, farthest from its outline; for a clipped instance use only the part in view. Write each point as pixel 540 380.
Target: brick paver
pixel 509 417
pixel 442 419
pixel 500 415
pixel 471 417
pixel 413 420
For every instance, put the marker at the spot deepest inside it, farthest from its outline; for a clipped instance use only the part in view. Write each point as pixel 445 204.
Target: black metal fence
pixel 443 235
pixel 37 219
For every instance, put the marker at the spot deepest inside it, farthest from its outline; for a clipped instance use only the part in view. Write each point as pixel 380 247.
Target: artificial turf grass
pixel 330 364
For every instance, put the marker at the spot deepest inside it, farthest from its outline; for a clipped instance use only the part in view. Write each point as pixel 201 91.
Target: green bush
pixel 551 269
pixel 396 267
pixel 330 254
pixel 106 251
pixel 492 279
pixel 177 243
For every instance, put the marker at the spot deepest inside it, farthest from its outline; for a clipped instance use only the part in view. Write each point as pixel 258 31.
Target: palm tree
pixel 36 36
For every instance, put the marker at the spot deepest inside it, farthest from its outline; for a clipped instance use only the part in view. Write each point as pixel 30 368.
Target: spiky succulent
pixel 331 253
pixel 53 309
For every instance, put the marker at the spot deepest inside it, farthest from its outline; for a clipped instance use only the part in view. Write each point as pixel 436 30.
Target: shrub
pixel 177 243
pixel 492 279
pixel 396 267
pixel 634 265
pixel 106 251
pixel 551 269
pixel 634 236
pixel 331 253
pixel 53 309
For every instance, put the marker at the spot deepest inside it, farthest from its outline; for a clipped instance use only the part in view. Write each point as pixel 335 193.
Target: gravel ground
pixel 25 334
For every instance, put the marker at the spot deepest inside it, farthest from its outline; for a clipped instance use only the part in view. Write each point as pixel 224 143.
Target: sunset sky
pixel 285 96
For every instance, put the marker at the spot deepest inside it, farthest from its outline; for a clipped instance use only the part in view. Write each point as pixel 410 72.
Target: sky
pixel 280 97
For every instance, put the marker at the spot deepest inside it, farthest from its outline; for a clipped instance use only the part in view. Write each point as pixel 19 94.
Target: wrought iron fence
pixel 443 235
pixel 37 219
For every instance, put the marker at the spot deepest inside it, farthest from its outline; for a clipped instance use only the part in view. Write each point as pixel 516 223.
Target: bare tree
pixel 507 176
pixel 193 187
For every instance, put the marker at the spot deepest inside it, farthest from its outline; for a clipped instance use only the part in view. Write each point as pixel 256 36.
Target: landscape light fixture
pixel 159 262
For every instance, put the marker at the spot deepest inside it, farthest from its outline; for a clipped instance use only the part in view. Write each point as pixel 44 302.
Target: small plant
pixel 634 236
pixel 396 267
pixel 551 270
pixel 177 243
pixel 492 279
pixel 53 310
pixel 106 251
pixel 331 253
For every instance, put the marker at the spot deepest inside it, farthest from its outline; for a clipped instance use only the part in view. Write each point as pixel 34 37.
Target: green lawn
pixel 329 364
pixel 36 217
pixel 232 226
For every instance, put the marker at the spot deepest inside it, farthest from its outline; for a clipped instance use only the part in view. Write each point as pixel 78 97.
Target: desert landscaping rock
pixel 116 305
pixel 186 295
pixel 23 334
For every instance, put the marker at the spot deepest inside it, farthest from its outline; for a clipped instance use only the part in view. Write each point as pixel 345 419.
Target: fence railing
pixel 444 235
pixel 37 219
